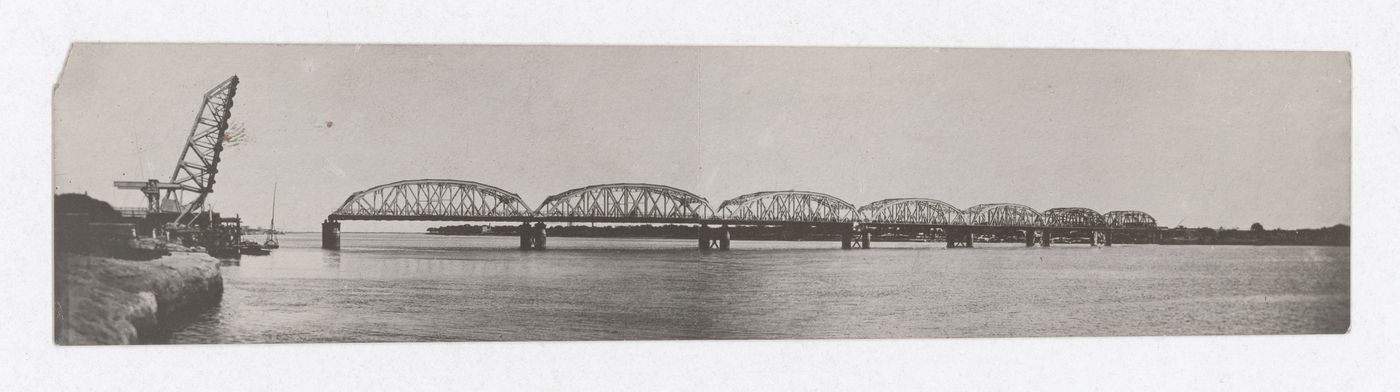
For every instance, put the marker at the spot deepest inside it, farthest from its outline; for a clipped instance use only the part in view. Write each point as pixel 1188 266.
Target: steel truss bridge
pixel 468 201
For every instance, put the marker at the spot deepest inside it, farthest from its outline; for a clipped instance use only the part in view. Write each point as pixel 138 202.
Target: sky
pixel 1196 138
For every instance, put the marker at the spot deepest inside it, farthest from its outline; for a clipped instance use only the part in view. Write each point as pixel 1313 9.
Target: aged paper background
pixel 37 37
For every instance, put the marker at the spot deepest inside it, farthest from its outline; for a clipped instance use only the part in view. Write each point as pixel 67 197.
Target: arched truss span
pixel 1129 219
pixel 1072 217
pixel 431 200
pixel 625 202
pixel 786 206
pixel 911 211
pixel 1002 214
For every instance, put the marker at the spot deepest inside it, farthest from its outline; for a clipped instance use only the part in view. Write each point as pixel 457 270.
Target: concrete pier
pixel 527 238
pixel 1045 236
pixel 724 237
pixel 856 236
pixel 702 233
pixel 1030 237
pixel 958 238
pixel 539 235
pixel 330 235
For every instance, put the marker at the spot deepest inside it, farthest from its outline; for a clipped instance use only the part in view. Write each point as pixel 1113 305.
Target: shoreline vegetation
pixel 1338 235
pixel 111 287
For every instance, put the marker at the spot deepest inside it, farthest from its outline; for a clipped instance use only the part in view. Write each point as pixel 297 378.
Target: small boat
pixel 252 248
pixel 225 252
pixel 271 241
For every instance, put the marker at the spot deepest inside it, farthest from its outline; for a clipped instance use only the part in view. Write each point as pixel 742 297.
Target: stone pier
pixel 330 235
pixel 958 238
pixel 538 235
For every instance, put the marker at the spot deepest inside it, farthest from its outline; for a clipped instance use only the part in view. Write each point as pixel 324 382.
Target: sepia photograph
pixel 275 193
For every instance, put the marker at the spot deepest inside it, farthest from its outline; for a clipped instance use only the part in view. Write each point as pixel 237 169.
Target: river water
pixel 418 287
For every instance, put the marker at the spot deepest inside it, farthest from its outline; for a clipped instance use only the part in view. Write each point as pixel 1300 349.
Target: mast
pixel 273 225
pixel 271 240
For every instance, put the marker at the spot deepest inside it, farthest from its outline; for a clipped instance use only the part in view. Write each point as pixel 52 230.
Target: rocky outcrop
pixel 100 300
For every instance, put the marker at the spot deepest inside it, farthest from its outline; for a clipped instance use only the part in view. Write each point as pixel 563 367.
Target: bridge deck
pixel 692 221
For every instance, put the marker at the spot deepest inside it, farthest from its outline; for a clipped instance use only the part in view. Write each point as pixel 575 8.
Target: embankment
pixel 101 300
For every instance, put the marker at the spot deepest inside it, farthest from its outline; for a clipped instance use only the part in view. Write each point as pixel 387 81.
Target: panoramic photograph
pixel 278 193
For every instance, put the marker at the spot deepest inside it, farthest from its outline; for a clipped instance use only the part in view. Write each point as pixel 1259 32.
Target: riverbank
pixel 103 300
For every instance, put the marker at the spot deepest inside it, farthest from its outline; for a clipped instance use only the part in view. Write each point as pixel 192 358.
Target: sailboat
pixel 271 242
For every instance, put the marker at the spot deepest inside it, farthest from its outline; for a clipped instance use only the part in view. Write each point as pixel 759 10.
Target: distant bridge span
pixel 468 201
pixel 624 203
pixel 433 200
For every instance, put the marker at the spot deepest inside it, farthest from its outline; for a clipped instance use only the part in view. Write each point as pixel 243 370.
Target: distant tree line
pixel 1338 235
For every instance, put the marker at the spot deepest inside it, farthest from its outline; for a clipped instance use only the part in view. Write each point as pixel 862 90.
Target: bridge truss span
pixel 786 207
pixel 911 211
pixel 626 202
pixel 1003 214
pixel 1130 219
pixel 430 199
pixel 1072 217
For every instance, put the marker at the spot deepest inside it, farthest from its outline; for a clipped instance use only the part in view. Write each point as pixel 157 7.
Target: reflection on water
pixel 413 287
pixel 330 258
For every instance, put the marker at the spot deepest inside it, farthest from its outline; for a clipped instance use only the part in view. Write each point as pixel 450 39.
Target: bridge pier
pixel 958 238
pixel 703 233
pixel 855 236
pixel 1030 237
pixel 330 235
pixel 539 235
pixel 1045 236
pixel 527 238
pixel 724 237
pixel 1108 238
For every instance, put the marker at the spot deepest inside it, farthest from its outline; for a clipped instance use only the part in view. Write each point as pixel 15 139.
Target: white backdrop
pixel 36 36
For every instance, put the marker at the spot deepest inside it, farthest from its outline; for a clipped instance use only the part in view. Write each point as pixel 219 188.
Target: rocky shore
pixel 103 300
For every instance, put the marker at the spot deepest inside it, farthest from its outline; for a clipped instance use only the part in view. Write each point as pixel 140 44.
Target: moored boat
pixel 252 248
pixel 271 241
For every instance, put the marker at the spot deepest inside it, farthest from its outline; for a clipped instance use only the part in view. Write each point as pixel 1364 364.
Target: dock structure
pixel 638 203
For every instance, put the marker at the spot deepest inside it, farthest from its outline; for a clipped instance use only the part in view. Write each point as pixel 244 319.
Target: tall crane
pixel 193 179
